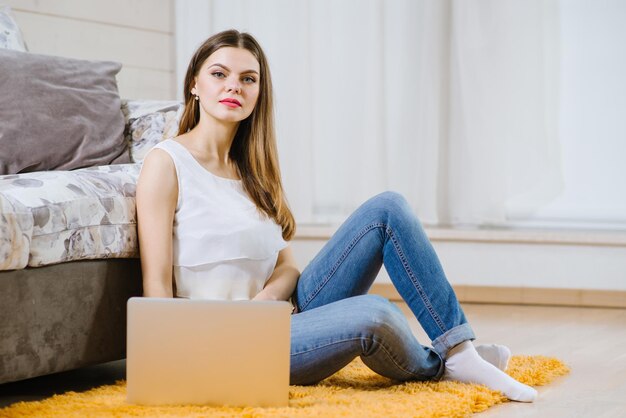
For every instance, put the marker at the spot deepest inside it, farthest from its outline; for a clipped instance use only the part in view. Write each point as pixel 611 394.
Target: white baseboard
pixel 571 267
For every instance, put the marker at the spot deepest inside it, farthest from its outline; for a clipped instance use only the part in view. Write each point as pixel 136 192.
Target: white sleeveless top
pixel 223 248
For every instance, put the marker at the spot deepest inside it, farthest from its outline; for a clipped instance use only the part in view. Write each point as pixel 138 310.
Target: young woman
pixel 214 223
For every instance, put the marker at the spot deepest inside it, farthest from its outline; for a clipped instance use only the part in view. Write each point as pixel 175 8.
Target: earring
pixel 197 98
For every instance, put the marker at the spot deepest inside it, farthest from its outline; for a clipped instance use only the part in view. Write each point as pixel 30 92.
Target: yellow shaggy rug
pixel 355 391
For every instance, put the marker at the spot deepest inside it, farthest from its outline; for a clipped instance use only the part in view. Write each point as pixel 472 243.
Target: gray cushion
pixel 58 113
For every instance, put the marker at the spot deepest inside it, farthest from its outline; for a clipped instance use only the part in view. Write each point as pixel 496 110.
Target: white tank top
pixel 223 248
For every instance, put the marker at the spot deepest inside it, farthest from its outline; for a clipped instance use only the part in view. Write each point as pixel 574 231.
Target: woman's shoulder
pixel 166 144
pixel 172 147
pixel 159 161
pixel 157 185
pixel 158 178
pixel 176 146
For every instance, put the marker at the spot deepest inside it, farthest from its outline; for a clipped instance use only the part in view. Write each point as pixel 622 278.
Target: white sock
pixel 496 354
pixel 465 365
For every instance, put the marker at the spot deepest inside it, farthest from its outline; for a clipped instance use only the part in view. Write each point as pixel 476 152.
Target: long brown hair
pixel 253 150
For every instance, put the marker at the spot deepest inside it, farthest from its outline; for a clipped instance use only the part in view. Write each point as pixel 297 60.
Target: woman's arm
pixel 282 282
pixel 157 194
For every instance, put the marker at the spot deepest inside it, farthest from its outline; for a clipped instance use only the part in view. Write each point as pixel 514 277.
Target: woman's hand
pixel 282 282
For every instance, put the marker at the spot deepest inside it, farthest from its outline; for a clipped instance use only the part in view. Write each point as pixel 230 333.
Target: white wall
pixel 592 114
pixel 592 107
pixel 592 110
pixel 137 33
pixel 592 133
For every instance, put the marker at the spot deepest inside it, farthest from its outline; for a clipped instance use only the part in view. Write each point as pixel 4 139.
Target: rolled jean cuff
pixel 455 336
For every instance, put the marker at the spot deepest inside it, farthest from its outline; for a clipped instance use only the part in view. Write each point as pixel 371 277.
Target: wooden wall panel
pixel 156 15
pixel 139 83
pixel 136 33
pixel 88 40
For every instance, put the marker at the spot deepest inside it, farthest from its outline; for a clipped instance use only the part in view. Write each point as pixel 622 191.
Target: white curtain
pixel 452 103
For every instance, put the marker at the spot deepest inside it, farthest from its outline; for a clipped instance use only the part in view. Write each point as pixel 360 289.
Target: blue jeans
pixel 337 321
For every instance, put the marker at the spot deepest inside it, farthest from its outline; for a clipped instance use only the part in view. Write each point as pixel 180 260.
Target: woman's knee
pixel 391 205
pixel 392 196
pixel 378 315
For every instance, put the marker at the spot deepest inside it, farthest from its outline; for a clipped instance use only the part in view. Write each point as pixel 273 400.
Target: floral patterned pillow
pixel 148 123
pixel 10 35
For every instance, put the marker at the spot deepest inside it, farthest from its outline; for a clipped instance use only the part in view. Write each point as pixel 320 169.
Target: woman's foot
pixel 464 364
pixel 496 354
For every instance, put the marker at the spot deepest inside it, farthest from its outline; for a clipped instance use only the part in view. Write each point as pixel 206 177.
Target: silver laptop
pixel 183 351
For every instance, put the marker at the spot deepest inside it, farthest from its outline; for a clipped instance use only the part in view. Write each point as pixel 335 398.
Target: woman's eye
pixel 249 80
pixel 218 74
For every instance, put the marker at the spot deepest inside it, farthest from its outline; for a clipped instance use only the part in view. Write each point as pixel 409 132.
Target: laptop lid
pixel 186 351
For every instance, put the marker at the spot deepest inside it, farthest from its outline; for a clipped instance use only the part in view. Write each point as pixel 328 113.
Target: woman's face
pixel 228 84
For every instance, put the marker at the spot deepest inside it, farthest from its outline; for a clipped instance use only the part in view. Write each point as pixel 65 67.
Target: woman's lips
pixel 231 102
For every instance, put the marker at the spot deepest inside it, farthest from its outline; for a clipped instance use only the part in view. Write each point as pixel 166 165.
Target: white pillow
pixel 10 35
